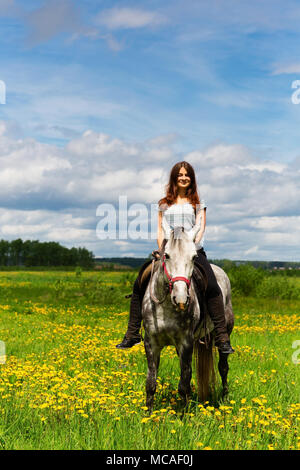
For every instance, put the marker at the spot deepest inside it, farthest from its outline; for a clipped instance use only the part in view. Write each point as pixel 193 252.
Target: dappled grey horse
pixel 173 315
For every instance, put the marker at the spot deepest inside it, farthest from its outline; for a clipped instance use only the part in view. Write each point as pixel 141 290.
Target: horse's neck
pixel 159 283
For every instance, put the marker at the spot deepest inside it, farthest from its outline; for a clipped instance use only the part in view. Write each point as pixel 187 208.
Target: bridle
pixel 174 279
pixel 171 281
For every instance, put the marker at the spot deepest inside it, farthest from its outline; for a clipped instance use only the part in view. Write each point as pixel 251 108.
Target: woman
pixel 182 207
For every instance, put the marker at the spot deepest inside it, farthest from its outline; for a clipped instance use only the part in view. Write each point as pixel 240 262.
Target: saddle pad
pixel 145 276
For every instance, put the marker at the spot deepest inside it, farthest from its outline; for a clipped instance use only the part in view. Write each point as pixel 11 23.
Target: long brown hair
pixel 172 190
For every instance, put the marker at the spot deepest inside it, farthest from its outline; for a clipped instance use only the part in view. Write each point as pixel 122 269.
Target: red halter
pixel 174 279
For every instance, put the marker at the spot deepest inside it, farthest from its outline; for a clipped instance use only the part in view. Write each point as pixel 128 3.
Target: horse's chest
pixel 170 326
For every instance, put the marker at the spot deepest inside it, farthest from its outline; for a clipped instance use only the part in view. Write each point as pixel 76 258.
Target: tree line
pixel 35 253
pixel 226 264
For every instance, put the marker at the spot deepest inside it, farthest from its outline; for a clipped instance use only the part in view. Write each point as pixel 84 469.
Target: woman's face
pixel 183 180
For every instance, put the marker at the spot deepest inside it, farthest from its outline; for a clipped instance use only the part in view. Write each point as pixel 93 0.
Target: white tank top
pixel 178 215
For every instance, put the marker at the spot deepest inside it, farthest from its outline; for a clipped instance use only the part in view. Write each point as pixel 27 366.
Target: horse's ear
pixel 193 232
pixel 166 229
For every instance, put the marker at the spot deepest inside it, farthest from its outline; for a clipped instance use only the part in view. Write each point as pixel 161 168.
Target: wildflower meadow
pixel 64 385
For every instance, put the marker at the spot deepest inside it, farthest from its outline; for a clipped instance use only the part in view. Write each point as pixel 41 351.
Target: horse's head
pixel 178 262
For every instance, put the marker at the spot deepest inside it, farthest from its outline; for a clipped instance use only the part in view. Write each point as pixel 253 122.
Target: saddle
pixel 199 276
pixel 145 273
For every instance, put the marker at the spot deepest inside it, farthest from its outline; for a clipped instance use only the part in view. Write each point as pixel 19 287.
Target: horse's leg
pixel 223 369
pixel 185 355
pixel 223 358
pixel 153 357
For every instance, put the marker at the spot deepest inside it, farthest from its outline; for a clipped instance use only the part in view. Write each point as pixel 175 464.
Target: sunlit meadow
pixel 65 386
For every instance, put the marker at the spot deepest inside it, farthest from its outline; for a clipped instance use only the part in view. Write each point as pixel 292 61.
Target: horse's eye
pixel 167 256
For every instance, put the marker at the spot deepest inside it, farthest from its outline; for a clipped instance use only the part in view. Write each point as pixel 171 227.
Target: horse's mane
pixel 176 237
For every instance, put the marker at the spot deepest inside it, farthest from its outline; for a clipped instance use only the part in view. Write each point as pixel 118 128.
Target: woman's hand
pixel 199 236
pixel 155 254
pixel 200 216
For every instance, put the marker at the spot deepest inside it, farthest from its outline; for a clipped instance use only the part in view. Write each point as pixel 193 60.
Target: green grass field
pixel 65 386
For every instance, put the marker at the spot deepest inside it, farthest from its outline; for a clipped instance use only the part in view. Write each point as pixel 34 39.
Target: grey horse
pixel 173 315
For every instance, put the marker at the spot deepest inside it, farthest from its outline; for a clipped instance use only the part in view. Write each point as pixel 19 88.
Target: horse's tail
pixel 205 372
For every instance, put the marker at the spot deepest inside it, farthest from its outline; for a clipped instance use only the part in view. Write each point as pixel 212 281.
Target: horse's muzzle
pixel 182 305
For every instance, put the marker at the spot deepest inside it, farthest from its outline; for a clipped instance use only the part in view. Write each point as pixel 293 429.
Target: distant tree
pixel 72 257
pixel 85 258
pixel 15 251
pixel 227 264
pixel 4 252
pixel 36 253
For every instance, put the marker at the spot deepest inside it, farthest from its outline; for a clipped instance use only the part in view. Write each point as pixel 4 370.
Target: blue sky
pixel 104 97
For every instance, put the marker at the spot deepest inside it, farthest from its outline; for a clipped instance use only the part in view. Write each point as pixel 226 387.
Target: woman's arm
pixel 160 235
pixel 202 214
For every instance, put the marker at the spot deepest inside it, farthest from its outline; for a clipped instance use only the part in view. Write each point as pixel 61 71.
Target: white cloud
pixel 27 167
pixel 93 144
pixel 53 193
pixel 253 249
pixel 44 225
pixel 219 156
pixel 112 42
pixel 275 167
pixel 291 68
pixel 128 18
pixel 163 140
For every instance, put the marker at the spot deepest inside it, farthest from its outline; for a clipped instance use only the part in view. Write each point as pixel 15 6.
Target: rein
pixel 155 299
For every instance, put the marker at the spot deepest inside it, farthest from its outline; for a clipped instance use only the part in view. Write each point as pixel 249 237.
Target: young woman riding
pixel 181 207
